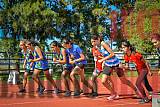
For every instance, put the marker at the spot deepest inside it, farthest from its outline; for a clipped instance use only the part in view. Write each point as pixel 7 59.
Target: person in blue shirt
pixel 41 64
pixel 27 65
pixel 78 59
pixel 61 56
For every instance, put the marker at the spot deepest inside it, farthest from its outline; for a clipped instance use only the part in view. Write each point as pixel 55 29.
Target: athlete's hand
pixel 72 62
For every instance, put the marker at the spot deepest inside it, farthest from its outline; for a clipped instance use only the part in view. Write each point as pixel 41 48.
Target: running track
pixel 10 98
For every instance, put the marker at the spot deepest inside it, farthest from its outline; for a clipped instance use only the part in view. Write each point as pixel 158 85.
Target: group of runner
pixel 72 61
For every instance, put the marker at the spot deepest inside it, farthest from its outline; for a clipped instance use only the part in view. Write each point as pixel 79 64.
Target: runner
pixel 27 66
pixel 131 55
pixel 98 67
pixel 41 64
pixel 61 56
pixel 76 57
pixel 111 62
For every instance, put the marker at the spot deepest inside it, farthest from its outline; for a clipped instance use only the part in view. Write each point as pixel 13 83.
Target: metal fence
pixel 9 63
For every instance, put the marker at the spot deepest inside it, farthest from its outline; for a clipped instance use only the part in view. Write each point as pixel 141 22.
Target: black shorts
pixel 107 70
pixel 81 66
pixel 68 69
pixel 42 69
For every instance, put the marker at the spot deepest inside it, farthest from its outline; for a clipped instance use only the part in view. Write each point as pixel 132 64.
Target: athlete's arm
pixel 106 46
pixel 39 52
pixel 63 61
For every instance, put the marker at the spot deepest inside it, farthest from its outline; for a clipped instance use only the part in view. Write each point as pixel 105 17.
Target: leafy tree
pixel 39 19
pixel 142 40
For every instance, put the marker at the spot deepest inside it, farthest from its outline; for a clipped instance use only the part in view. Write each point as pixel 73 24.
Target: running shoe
pixel 113 97
pixel 67 94
pixel 56 91
pixel 76 93
pixel 22 90
pixel 94 94
pixel 41 90
pixel 144 100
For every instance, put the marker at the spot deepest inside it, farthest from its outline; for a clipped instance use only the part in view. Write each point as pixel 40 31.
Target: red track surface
pixel 10 98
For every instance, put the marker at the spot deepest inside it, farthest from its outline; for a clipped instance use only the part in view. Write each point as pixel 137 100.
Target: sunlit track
pixel 9 96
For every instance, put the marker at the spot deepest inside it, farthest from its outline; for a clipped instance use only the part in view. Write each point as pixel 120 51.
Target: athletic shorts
pixel 67 68
pixel 96 71
pixel 107 70
pixel 42 65
pixel 81 66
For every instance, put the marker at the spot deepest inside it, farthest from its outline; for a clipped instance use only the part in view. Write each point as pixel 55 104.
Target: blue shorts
pixel 42 65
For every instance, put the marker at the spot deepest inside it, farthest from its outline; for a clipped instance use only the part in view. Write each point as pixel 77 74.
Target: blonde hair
pixel 24 41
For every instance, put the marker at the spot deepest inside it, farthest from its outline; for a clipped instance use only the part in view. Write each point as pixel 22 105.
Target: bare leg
pixel 36 78
pixel 65 80
pixel 108 83
pixel 50 79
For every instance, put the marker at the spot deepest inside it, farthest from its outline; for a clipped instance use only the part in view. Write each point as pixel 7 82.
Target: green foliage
pixel 36 18
pixel 144 44
pixel 9 45
pixel 148 5
pixel 30 16
pixel 147 26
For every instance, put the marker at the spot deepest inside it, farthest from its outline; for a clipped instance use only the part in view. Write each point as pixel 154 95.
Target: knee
pixel 63 75
pixel 72 75
pixel 103 82
pixel 25 76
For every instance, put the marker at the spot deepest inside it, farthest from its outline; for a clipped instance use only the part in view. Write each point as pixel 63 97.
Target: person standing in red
pixel 131 55
pixel 98 68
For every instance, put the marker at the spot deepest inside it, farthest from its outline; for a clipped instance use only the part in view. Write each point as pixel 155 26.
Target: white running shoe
pixel 112 97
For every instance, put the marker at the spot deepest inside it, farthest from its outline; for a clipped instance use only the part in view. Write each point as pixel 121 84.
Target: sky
pixel 112 7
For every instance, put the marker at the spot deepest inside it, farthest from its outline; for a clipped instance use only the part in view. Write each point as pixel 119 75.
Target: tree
pixel 141 23
pixel 38 19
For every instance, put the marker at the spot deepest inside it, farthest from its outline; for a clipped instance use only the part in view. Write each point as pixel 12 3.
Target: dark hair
pixel 34 43
pixel 127 44
pixel 95 37
pixel 155 36
pixel 55 43
pixel 66 40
